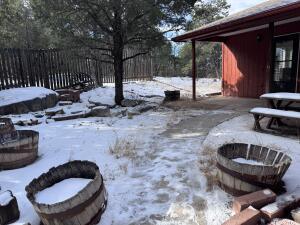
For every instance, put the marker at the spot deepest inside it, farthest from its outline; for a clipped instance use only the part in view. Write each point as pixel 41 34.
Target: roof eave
pixel 203 34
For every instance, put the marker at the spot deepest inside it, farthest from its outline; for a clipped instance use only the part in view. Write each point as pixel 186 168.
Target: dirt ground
pixel 239 105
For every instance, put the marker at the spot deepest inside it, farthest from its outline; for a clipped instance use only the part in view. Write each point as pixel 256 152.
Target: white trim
pixel 245 30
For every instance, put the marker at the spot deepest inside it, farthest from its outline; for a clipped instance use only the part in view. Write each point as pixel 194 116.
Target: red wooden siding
pixel 245 60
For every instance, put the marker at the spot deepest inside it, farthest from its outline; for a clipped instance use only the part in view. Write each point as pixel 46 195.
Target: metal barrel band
pixel 19 163
pixel 242 177
pixel 98 216
pixel 231 190
pixel 24 149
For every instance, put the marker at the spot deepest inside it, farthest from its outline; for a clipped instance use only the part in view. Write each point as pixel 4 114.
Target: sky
pixel 237 5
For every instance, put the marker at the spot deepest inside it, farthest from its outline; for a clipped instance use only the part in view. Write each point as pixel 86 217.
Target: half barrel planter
pixel 17 148
pixel 239 178
pixel 85 208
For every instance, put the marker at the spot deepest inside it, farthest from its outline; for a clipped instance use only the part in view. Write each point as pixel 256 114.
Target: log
pixel 9 210
pixel 240 179
pixel 85 208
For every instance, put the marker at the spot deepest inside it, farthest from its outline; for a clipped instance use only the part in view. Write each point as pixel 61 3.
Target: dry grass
pixel 124 148
pixel 207 165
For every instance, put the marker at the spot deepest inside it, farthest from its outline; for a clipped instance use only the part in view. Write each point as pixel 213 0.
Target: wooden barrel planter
pixel 172 95
pixel 9 210
pixel 239 178
pixel 18 148
pixel 84 208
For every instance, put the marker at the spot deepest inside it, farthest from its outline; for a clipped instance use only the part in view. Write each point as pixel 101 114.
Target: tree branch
pixel 135 55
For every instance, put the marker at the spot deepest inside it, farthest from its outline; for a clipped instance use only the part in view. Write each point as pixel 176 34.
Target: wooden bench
pixel 275 116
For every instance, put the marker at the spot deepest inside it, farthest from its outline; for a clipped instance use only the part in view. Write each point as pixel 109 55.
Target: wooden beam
pixel 194 68
pixel 270 66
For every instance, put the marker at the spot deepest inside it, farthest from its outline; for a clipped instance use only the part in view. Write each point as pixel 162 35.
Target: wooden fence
pixel 56 69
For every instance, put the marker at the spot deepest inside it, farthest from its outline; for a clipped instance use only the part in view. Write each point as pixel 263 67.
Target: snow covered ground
pixel 150 163
pixel 203 85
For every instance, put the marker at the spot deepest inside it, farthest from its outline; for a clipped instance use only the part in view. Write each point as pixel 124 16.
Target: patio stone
pixel 283 222
pixel 282 206
pixel 249 216
pixel 256 199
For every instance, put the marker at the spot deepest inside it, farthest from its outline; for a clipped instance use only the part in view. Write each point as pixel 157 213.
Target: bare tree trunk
pixel 118 70
pixel 118 53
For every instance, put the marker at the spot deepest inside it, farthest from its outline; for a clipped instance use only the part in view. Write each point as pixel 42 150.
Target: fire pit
pixel 17 148
pixel 172 95
pixel 68 95
pixel 83 208
pixel 245 168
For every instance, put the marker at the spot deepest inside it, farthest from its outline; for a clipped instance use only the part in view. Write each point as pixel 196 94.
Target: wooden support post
pixel 270 65
pixel 194 68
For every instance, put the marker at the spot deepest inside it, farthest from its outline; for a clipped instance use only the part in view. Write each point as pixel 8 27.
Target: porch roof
pixel 256 17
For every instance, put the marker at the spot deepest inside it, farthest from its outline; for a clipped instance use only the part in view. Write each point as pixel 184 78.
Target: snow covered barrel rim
pixel 240 177
pixel 84 208
pixel 20 151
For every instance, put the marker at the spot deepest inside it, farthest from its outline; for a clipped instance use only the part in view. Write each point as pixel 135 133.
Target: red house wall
pixel 245 61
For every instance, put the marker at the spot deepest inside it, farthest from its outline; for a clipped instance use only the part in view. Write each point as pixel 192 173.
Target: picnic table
pixel 279 108
pixel 282 100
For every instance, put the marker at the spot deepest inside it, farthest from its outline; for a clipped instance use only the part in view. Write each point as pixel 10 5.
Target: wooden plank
pixel 34 65
pixel 54 70
pixel 2 72
pixel 27 67
pixel 10 67
pixel 21 70
pixel 40 74
pixel 194 68
pixel 17 68
pixel 61 69
pixel 14 73
pixel 65 68
pixel 57 74
pixel 270 61
pixel 47 55
pixel 44 69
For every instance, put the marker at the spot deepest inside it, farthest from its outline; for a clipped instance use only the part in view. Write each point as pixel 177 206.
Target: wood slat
pixel 56 69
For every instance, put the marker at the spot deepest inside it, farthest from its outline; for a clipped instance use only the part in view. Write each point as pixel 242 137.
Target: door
pixel 285 63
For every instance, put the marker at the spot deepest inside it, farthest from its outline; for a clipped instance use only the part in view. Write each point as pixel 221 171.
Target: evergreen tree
pixel 114 25
pixel 209 55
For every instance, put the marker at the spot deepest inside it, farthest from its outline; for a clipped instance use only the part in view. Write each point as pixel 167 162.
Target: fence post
pixel 46 75
pixel 21 67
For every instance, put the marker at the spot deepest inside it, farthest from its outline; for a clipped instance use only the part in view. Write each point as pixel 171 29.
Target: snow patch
pixel 276 112
pixel 5 198
pixel 282 95
pixel 61 191
pixel 248 162
pixel 16 95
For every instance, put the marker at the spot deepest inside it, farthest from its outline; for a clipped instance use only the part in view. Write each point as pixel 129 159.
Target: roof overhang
pixel 280 15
